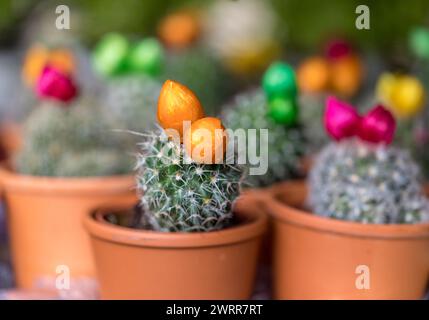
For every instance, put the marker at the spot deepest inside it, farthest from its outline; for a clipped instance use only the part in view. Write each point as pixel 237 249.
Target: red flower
pixel 56 85
pixel 337 49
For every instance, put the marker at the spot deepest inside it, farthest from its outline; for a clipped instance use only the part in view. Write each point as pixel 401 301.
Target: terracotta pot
pixel 141 264
pixel 45 221
pixel 323 258
pixel 10 140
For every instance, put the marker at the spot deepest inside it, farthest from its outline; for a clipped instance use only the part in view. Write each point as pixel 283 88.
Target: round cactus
pixel 132 100
pixel 72 140
pixel 184 196
pixel 286 145
pixel 357 181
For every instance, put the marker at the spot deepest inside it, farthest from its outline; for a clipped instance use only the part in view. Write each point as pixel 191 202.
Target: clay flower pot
pixel 140 264
pixel 45 221
pixel 10 139
pixel 323 258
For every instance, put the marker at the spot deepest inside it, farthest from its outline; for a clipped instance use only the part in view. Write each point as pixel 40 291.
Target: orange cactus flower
pixel 177 103
pixel 205 141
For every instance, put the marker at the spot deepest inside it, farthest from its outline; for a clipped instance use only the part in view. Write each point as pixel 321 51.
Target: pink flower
pixel 341 120
pixel 56 85
pixel 378 126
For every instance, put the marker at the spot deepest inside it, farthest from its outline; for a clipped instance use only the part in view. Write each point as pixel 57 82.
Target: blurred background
pixel 303 24
pixel 293 28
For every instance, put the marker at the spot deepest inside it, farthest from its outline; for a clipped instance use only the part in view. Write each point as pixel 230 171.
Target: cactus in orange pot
pixel 362 178
pixel 176 195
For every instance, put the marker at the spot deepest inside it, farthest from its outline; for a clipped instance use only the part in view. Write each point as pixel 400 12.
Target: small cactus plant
pixel 184 197
pixel 355 181
pixel 177 193
pixel 363 179
pixel 76 140
pixel 286 141
pixel 70 137
pixel 132 100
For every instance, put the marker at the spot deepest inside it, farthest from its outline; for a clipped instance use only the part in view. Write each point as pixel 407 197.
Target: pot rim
pixel 16 182
pixel 289 214
pixel 98 227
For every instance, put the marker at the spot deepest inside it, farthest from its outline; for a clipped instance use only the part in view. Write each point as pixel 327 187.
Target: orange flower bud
pixel 34 62
pixel 205 141
pixel 177 103
pixel 313 75
pixel 179 29
pixel 62 60
pixel 346 75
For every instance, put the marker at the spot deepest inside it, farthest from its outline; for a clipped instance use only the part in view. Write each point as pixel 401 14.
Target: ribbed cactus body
pixel 73 140
pixel 132 100
pixel 176 196
pixel 356 181
pixel 286 145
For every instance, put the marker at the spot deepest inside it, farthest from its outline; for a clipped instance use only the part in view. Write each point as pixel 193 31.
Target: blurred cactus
pixel 72 140
pixel 311 110
pixel 132 100
pixel 176 196
pixel 286 145
pixel 356 181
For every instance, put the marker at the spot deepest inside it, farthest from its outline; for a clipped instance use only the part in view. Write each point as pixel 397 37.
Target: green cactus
pixel 132 100
pixel 286 145
pixel 311 111
pixel 74 140
pixel 190 67
pixel 356 181
pixel 176 196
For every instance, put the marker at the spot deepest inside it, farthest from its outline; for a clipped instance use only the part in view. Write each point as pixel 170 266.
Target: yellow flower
pixel 403 94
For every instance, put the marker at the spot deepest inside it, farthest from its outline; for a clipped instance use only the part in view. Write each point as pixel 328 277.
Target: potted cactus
pixel 70 162
pixel 274 107
pixel 187 216
pixel 359 229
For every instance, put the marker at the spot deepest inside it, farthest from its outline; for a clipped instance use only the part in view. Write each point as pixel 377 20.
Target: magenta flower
pixel 341 120
pixel 55 85
pixel 378 126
